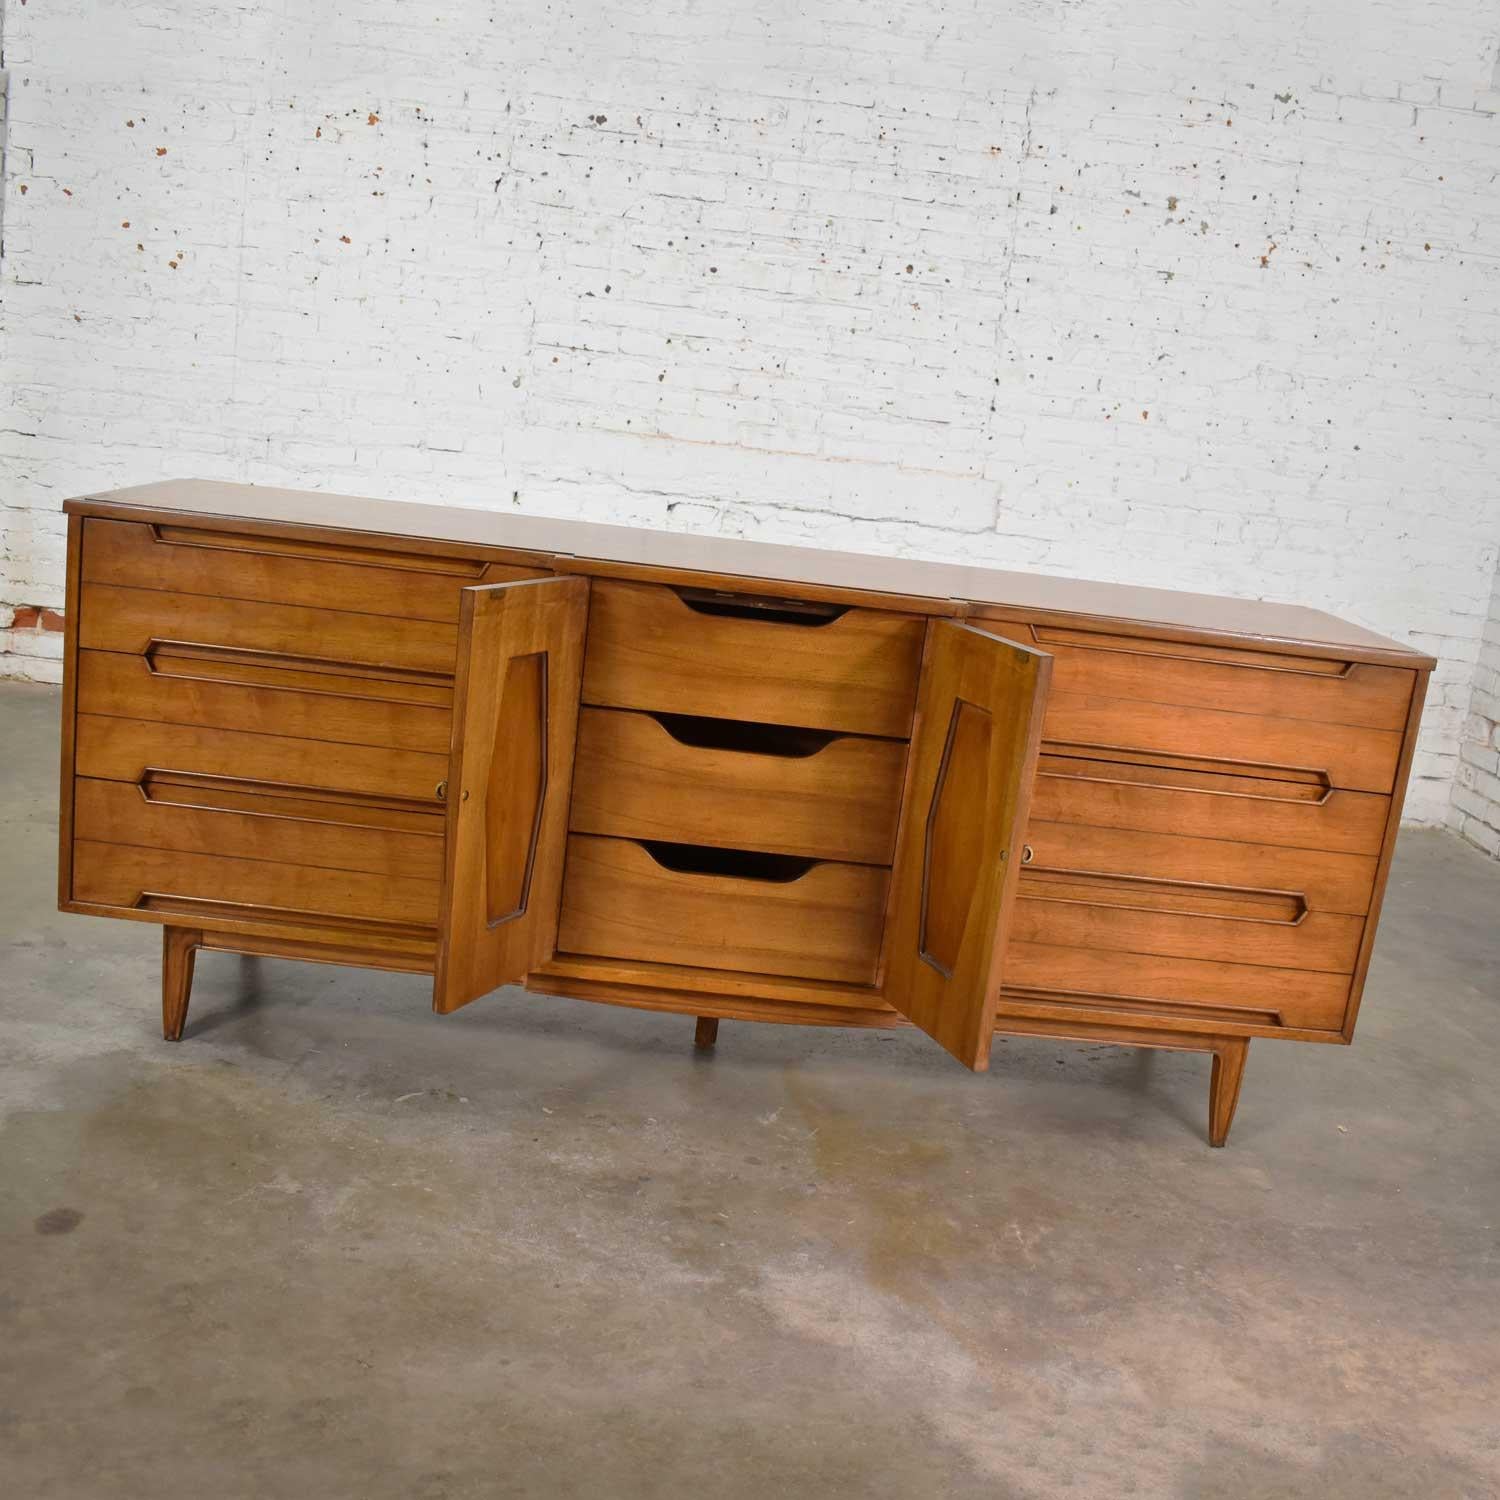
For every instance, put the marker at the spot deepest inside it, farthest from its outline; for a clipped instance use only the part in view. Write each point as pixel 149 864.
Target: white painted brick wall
pixel 1475 811
pixel 1205 297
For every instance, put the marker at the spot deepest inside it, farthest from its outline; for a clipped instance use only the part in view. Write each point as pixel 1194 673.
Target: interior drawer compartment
pixel 740 786
pixel 1324 882
pixel 1336 755
pixel 320 574
pixel 736 656
pixel 173 883
pixel 1180 919
pixel 1202 798
pixel 1229 678
pixel 722 909
pixel 129 749
pixel 1248 993
pixel 135 620
pixel 218 688
pixel 205 815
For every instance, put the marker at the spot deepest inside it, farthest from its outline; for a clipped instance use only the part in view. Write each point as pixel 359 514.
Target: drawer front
pixel 1232 680
pixel 836 799
pixel 1203 803
pixel 649 648
pixel 1361 760
pixel 134 620
pixel 1241 992
pixel 1181 920
pixel 619 902
pixel 1323 882
pixel 169 881
pixel 284 570
pixel 221 690
pixel 199 816
pixel 127 749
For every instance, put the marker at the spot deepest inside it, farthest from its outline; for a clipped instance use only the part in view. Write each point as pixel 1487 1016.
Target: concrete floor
pixel 333 1246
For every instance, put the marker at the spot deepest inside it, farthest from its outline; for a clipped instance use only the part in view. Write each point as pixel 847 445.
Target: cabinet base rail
pixel 181 944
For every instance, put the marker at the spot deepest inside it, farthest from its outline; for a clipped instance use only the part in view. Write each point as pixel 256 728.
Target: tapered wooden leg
pixel 178 945
pixel 1224 1086
pixel 707 1033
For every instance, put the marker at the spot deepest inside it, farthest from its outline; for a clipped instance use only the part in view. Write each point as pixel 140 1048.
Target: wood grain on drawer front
pixel 199 816
pixel 649 649
pixel 1267 996
pixel 1328 882
pixel 131 877
pixel 219 689
pixel 618 902
pixel 284 570
pixel 1234 680
pixel 133 620
pixel 1182 920
pixel 126 749
pixel 1202 799
pixel 633 778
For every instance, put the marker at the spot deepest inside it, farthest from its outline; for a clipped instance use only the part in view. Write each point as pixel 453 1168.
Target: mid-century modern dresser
pixel 724 778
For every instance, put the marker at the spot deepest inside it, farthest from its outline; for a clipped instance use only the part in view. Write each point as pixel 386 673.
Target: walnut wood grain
pixel 618 902
pixel 970 772
pixel 634 779
pixel 1100 664
pixel 1360 760
pixel 1101 793
pixel 179 946
pixel 648 649
pixel 340 708
pixel 123 875
pixel 322 575
pixel 256 827
pixel 1296 997
pixel 1328 882
pixel 133 620
pixel 514 736
pixel 126 749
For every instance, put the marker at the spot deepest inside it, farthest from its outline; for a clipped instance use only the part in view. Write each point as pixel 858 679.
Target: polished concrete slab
pixel 331 1245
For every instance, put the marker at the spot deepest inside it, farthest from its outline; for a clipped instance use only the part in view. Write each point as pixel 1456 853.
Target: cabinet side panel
pixel 69 710
pixel 1387 849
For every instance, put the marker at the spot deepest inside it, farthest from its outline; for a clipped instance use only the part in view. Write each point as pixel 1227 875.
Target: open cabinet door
pixel 968 788
pixel 515 719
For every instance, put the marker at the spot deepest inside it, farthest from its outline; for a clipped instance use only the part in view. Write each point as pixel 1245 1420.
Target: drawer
pixel 127 749
pixel 1247 993
pixel 220 689
pixel 1339 755
pixel 284 570
pixel 1178 919
pixel 1325 882
pixel 801 919
pixel 133 620
pixel 1228 678
pixel 739 786
pixel 199 815
pixel 171 882
pixel 736 657
pixel 1195 800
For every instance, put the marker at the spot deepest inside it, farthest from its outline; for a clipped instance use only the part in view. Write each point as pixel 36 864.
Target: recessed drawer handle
pixel 738 864
pixel 1027 854
pixel 700 733
pixel 758 607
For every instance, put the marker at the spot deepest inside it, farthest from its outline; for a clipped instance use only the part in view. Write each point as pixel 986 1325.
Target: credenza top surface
pixel 1254 620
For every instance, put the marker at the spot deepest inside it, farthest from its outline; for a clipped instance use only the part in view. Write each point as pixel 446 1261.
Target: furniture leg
pixel 178 947
pixel 1224 1086
pixel 707 1033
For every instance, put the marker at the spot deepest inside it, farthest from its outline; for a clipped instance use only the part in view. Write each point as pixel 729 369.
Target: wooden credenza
pixel 724 778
